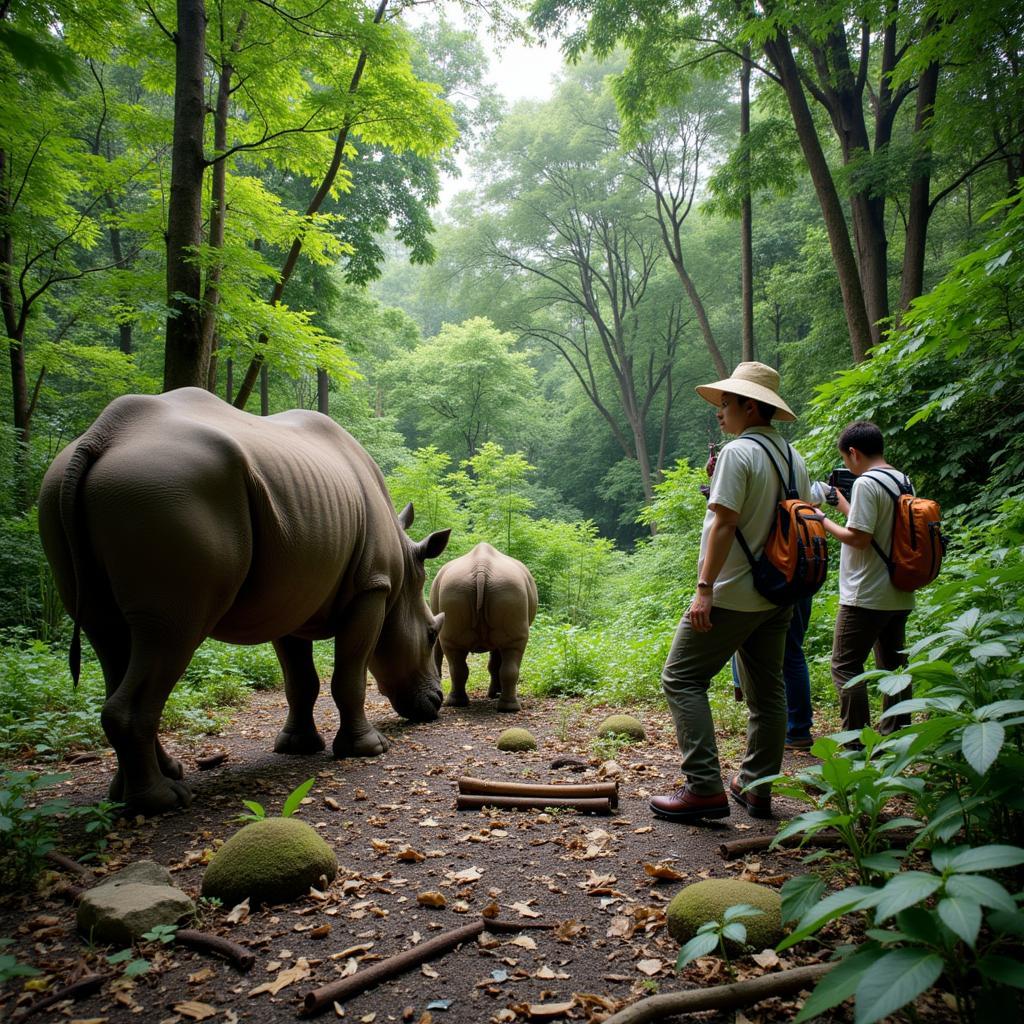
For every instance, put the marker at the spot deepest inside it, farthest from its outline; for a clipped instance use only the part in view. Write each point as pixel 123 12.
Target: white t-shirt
pixel 746 482
pixel 863 576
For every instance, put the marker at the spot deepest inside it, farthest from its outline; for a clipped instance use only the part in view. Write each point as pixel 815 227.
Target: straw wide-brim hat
pixel 751 380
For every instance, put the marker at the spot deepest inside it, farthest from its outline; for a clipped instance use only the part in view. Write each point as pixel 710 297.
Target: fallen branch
pixel 475 802
pixel 721 997
pixel 338 991
pixel 567 791
pixel 85 986
pixel 242 957
pixel 204 764
pixel 821 841
pixel 67 864
pixel 69 892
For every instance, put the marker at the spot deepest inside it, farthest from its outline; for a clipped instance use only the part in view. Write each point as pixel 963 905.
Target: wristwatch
pixel 704 585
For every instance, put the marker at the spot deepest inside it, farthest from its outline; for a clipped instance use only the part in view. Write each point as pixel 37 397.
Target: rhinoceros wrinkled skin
pixel 177 517
pixel 488 601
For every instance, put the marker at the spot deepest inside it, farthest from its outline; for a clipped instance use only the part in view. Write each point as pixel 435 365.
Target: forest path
pixel 591 875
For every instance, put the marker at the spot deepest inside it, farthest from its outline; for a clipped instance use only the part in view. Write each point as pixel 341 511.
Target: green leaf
pixel 895 683
pixel 840 983
pixel 799 894
pixel 120 956
pixel 135 968
pixel 920 924
pixel 829 909
pixel 904 890
pixel 981 744
pixel 961 916
pixel 739 911
pixel 297 795
pixel 988 858
pixel 897 978
pixel 257 809
pixel 1000 708
pixel 735 932
pixel 699 945
pixel 992 649
pixel 986 891
pixel 1007 923
pixel 886 861
pixel 1002 969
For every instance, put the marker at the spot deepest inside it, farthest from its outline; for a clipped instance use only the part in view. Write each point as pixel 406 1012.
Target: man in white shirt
pixel 872 612
pixel 727 614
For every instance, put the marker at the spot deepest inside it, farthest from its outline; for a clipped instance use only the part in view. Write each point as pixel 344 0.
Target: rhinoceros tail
pixel 89 448
pixel 481 583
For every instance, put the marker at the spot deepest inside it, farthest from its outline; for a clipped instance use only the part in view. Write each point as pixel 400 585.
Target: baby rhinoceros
pixel 489 601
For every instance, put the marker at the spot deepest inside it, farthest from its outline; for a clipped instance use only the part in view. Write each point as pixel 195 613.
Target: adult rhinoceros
pixel 177 517
pixel 487 601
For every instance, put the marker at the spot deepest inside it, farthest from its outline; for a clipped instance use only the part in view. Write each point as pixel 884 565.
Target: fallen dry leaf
pixel 491 910
pixel 194 1010
pixel 203 974
pixel 239 912
pixel 547 1011
pixel 664 872
pixel 321 931
pixel 410 856
pixel 431 899
pixel 650 967
pixel 332 803
pixel 285 978
pixel 428 972
pixel 523 910
pixel 473 874
pixel 523 941
pixel 766 958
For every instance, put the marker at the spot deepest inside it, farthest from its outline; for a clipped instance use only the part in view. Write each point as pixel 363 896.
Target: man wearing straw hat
pixel 727 615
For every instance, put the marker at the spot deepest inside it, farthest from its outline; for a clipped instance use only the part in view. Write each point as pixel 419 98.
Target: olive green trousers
pixel 759 640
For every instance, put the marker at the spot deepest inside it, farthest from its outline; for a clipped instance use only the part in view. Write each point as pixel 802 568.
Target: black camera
pixel 842 480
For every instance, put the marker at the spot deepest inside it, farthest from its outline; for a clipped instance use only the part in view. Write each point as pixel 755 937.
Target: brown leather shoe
pixel 685 805
pixel 757 806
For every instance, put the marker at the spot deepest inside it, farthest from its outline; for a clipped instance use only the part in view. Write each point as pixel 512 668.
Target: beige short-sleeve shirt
pixel 863 576
pixel 745 481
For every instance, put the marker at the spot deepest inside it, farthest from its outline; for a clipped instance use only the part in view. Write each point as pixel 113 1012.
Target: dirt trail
pixel 393 824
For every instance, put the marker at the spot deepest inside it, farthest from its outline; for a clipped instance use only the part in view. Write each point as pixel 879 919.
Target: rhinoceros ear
pixel 405 517
pixel 432 546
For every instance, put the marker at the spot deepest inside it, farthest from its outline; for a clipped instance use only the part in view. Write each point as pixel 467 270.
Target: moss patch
pixel 708 901
pixel 622 725
pixel 270 861
pixel 516 739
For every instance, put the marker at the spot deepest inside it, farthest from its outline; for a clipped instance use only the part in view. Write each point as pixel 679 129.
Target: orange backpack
pixel 917 545
pixel 794 562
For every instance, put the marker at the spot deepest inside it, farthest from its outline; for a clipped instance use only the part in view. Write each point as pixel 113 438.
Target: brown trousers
pixel 858 631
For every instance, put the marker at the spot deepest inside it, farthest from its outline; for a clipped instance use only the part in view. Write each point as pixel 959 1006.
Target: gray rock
pixel 119 914
pixel 146 872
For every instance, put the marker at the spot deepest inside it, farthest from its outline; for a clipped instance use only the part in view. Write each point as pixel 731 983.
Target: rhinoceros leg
pixel 131 716
pixel 494 670
pixel 301 687
pixel 458 669
pixel 112 643
pixel 508 675
pixel 356 737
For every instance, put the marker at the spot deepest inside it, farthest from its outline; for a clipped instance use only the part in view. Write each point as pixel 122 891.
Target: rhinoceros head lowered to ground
pixel 402 662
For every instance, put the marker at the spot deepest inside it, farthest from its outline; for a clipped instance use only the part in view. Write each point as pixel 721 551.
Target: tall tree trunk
pixel 248 382
pixel 323 392
pixel 124 331
pixel 264 390
pixel 186 360
pixel 779 52
pixel 746 215
pixel 229 383
pixel 218 199
pixel 919 208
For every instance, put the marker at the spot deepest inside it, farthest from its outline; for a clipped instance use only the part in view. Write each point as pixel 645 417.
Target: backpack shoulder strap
pixel 902 487
pixel 788 483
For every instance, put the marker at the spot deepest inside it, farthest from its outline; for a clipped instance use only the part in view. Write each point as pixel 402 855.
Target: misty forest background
pixel 244 196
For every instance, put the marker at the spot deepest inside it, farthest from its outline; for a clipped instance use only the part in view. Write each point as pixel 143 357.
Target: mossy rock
pixel 622 725
pixel 516 739
pixel 708 901
pixel 270 861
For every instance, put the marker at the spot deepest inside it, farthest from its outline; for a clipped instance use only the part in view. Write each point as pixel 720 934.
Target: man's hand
pixel 700 611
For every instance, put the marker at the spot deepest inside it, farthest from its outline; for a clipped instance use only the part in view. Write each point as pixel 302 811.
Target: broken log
pixel 84 986
pixel 319 999
pixel 475 802
pixel 242 957
pixel 721 997
pixel 208 761
pixel 822 841
pixel 567 791
pixel 67 864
